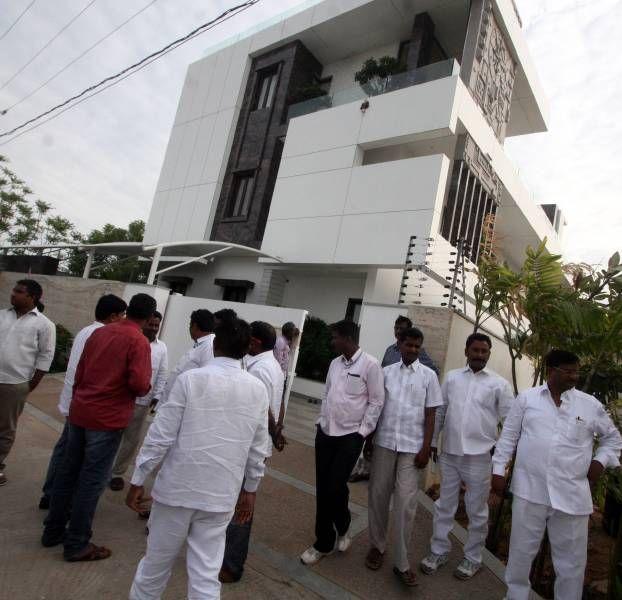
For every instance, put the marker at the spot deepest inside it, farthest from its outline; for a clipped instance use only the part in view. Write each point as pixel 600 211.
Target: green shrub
pixel 64 341
pixel 315 352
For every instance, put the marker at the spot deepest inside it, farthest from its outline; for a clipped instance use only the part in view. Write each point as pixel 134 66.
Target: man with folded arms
pixel 553 428
pixel 401 447
pixel 115 368
pixel 353 400
pixel 210 437
pixel 476 400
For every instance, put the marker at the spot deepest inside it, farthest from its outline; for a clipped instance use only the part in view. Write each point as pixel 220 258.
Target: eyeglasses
pixel 567 371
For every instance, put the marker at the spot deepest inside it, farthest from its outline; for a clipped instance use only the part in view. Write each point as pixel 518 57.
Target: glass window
pixel 241 196
pixel 266 87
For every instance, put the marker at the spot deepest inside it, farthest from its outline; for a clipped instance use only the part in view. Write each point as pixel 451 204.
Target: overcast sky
pixel 100 161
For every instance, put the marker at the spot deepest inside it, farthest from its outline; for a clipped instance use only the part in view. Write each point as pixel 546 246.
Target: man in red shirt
pixel 115 368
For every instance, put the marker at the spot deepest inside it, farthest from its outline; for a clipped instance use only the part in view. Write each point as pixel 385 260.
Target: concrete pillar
pixel 154 265
pixel 89 264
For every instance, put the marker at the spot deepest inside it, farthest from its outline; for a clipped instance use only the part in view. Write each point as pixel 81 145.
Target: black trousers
pixel 335 457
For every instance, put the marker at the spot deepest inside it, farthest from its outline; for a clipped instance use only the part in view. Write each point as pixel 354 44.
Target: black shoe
pixel 49 540
pixel 44 503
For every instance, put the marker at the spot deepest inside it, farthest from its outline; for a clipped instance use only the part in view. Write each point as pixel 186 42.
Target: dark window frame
pixel 234 293
pixel 231 214
pixel 264 97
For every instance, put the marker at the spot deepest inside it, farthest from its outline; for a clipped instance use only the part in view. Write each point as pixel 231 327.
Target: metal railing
pixel 432 72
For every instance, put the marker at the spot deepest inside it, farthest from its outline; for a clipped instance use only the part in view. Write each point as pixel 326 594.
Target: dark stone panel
pixel 257 144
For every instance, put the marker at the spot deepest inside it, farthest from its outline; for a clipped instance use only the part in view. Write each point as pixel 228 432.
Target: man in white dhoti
pixel 210 436
pixel 554 426
pixel 476 400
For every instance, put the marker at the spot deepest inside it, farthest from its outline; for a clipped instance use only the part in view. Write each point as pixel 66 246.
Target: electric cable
pixel 47 44
pixel 77 58
pixel 17 20
pixel 124 74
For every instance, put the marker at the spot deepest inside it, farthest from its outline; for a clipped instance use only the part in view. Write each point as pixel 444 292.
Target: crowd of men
pixel 222 409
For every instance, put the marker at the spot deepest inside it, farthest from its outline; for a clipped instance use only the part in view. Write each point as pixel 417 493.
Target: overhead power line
pixel 77 58
pixel 47 44
pixel 108 82
pixel 19 18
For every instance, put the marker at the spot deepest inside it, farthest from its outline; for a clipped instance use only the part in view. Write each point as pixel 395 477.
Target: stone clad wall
pixel 69 301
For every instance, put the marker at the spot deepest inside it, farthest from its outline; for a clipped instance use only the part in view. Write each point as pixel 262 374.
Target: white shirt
pixel 353 396
pixel 79 341
pixel 409 390
pixel 210 434
pixel 474 405
pixel 202 350
pixel 27 343
pixel 267 369
pixel 555 447
pixel 159 372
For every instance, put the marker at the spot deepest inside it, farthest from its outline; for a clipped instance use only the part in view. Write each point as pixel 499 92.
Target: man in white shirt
pixel 400 449
pixel 552 427
pixel 261 363
pixel 109 309
pixel 353 400
pixel 211 436
pixel 476 400
pixel 131 435
pixel 27 345
pixel 202 333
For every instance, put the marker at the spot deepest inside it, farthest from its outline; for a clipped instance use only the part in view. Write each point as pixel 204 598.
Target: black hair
pixel 556 358
pixel 35 290
pixel 402 319
pixel 411 332
pixel 225 314
pixel 289 330
pixel 346 329
pixel 233 338
pixel 203 319
pixel 109 305
pixel 157 314
pixel 265 333
pixel 478 337
pixel 141 307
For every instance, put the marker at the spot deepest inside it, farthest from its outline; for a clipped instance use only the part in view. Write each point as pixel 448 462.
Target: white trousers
pixel 568 537
pixel 393 473
pixel 474 471
pixel 169 528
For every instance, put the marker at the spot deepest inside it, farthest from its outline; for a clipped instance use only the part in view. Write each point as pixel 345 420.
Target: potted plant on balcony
pixel 309 92
pixel 375 75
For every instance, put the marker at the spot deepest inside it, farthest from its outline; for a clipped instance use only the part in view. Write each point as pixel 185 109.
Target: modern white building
pixel 343 190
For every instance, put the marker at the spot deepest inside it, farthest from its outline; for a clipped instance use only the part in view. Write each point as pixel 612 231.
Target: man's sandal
pixel 90 553
pixel 374 559
pixel 406 577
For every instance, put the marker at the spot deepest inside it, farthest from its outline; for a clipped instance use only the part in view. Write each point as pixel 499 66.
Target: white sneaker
pixel 466 569
pixel 432 562
pixel 311 556
pixel 344 542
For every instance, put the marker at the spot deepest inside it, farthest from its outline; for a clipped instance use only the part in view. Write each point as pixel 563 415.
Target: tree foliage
pixel 375 74
pixel 119 268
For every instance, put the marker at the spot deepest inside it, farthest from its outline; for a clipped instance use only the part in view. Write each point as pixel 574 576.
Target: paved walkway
pixel 283 527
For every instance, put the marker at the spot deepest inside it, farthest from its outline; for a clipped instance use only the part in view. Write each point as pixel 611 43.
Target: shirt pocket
pixel 355 386
pixel 579 431
pixel 416 393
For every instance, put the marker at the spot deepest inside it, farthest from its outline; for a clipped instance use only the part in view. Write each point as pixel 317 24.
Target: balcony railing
pixel 437 70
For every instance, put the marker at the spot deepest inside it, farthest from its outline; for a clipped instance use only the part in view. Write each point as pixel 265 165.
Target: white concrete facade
pixel 353 184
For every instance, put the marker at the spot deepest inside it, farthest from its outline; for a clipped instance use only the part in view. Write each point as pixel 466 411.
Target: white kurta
pixel 210 434
pixel 79 341
pixel 159 373
pixel 198 356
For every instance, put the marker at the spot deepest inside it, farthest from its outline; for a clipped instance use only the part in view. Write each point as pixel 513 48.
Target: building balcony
pixel 432 72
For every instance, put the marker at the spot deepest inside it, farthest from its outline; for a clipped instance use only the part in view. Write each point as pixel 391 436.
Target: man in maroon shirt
pixel 115 368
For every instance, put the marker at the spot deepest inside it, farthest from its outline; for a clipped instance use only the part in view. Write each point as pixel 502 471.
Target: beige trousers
pixel 12 400
pixel 130 441
pixel 393 473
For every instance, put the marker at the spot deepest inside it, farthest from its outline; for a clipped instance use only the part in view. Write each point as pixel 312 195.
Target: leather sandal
pixel 91 553
pixel 406 577
pixel 374 559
